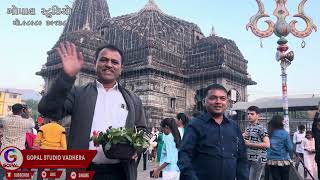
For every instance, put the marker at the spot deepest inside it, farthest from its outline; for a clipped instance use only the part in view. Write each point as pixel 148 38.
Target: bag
pixel 30 137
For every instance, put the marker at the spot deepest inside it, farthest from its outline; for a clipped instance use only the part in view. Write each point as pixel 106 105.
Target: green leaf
pixel 138 140
pixel 128 138
pixel 118 133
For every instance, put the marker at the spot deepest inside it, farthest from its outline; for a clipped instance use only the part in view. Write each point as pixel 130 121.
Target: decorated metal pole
pixel 282 29
pixel 285 60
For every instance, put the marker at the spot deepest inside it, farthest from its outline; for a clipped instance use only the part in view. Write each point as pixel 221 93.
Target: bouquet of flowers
pixel 120 143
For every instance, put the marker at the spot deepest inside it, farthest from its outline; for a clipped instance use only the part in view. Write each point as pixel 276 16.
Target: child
pixel 309 153
pixel 51 136
pixel 297 139
pixel 153 145
pixel 182 121
pixel 169 153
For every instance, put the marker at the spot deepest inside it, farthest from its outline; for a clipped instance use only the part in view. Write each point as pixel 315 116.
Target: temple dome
pixel 150 22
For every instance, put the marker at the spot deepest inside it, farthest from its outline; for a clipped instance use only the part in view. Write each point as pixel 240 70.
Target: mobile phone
pixel 151 172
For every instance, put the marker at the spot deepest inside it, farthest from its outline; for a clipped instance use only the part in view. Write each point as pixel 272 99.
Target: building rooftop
pixel 8 90
pixel 303 101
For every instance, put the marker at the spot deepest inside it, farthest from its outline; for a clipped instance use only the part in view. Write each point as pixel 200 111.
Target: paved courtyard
pixel 145 175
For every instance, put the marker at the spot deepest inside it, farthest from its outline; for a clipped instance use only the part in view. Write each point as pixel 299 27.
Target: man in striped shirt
pixel 257 141
pixel 15 128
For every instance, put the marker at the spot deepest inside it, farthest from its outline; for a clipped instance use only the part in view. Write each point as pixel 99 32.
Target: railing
pixel 304 167
pixel 294 123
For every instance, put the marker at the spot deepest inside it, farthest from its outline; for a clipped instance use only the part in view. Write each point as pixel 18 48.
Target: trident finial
pixel 281 28
pixel 253 23
pixel 309 24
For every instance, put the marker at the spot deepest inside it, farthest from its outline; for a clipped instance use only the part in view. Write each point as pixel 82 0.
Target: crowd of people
pixel 21 131
pixel 268 147
pixel 166 144
pixel 209 145
pixel 264 148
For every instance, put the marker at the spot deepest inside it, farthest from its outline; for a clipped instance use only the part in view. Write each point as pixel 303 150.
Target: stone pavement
pixel 145 175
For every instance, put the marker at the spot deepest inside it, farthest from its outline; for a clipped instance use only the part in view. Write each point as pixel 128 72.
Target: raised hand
pixel 72 60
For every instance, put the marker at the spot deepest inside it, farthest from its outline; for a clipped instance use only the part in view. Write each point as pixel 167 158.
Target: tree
pixel 33 105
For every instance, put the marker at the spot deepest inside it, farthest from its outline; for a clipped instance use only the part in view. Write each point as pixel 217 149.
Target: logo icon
pixel 10 155
pixel 73 175
pixel 11 158
pixel 43 174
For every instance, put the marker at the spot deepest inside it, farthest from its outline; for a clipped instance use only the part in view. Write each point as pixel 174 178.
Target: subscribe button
pixel 19 174
pixel 81 175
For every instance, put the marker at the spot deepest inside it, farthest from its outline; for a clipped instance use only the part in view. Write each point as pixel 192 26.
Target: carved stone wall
pixel 161 97
pixel 167 61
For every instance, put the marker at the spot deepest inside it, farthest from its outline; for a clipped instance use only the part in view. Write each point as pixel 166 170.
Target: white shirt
pixel 181 131
pixel 299 137
pixel 110 110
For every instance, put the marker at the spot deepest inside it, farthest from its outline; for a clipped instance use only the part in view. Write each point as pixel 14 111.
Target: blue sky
pixel 23 49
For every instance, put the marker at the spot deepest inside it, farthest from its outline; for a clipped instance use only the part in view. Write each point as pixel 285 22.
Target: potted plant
pixel 121 143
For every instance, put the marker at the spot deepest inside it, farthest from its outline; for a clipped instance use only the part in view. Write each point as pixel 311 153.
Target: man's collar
pixel 254 124
pixel 207 117
pixel 15 115
pixel 99 85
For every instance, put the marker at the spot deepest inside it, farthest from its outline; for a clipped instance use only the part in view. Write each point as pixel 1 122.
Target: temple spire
pixel 86 15
pixel 151 6
pixel 213 32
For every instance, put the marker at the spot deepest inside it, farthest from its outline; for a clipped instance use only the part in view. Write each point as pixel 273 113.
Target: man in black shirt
pixel 316 135
pixel 213 146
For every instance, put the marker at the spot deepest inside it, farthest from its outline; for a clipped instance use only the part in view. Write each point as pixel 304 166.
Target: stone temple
pixel 168 61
